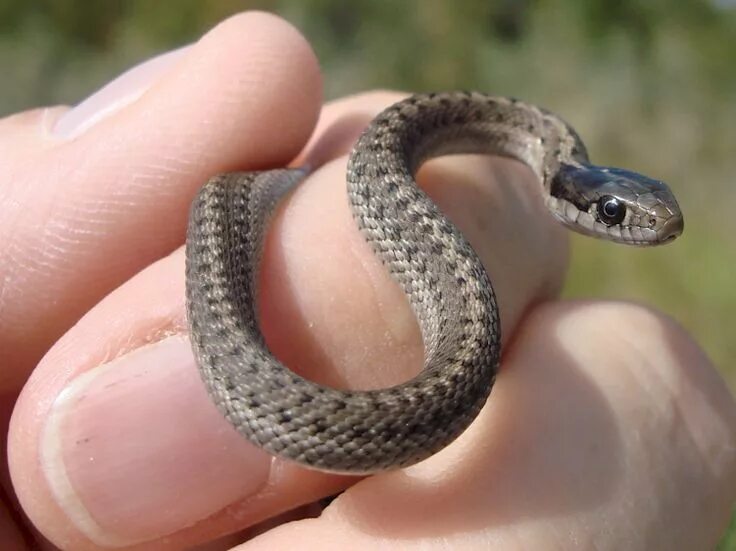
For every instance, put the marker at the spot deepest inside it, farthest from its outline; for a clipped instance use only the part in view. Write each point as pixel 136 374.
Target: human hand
pixel 607 427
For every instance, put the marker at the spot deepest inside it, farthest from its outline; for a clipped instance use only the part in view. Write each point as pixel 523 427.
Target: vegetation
pixel 651 85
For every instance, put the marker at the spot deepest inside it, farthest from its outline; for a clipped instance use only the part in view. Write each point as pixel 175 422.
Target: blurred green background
pixel 650 84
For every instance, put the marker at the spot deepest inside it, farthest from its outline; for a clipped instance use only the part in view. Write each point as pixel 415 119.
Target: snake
pixel 447 286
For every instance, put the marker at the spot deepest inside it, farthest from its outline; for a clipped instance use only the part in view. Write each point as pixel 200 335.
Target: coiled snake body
pixel 447 286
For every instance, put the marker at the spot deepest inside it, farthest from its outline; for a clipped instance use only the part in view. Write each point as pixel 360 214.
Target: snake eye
pixel 610 210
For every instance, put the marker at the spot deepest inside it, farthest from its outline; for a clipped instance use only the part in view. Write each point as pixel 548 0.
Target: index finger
pixel 86 211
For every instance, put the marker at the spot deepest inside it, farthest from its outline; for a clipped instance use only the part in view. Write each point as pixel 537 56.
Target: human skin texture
pixel 608 427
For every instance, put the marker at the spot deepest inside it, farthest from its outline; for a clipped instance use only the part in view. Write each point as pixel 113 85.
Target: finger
pixel 340 125
pixel 608 429
pixel 109 192
pixel 330 311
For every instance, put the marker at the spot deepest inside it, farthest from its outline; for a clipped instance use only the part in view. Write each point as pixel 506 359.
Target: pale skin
pixel 608 425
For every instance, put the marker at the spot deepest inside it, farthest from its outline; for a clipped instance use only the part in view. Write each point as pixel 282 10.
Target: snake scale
pixel 443 278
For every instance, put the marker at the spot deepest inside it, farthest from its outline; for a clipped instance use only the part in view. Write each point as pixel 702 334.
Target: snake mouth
pixel 643 244
pixel 647 243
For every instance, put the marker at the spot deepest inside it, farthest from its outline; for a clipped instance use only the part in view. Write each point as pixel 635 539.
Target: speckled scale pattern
pixel 445 281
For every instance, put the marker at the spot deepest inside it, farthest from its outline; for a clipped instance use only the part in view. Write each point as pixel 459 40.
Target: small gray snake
pixel 447 286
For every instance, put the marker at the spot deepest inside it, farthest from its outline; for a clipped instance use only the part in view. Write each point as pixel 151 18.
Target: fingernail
pixel 134 450
pixel 115 95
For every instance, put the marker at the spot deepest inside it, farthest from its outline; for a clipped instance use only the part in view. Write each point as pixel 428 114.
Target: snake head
pixel 615 204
